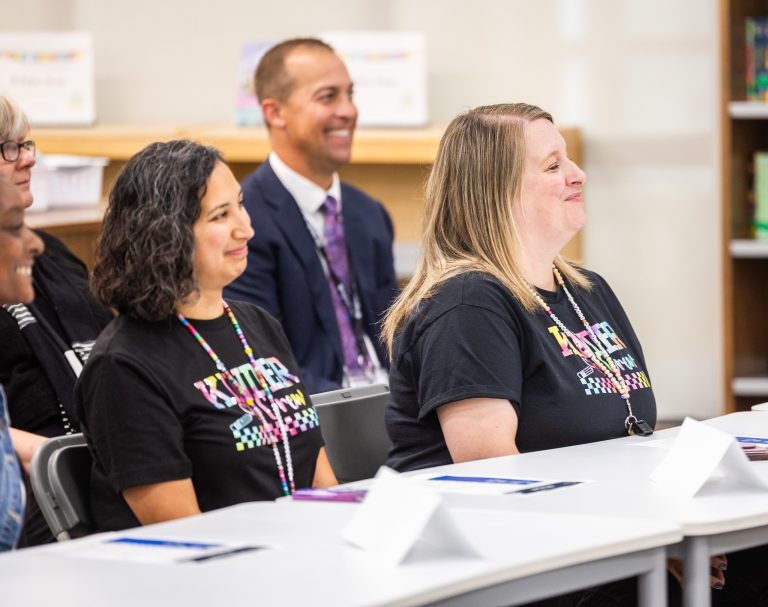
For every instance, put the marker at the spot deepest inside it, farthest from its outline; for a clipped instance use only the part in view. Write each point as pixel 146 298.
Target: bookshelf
pixel 390 164
pixel 744 129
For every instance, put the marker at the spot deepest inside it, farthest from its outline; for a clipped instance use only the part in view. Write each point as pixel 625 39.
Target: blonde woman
pixel 491 354
pixel 498 344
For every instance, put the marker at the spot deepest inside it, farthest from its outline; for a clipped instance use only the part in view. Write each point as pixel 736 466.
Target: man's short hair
pixel 271 78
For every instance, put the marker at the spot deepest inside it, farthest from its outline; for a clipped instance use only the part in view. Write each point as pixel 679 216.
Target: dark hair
pixel 144 254
pixel 271 78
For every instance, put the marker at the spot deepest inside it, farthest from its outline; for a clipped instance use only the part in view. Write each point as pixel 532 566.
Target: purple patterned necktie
pixel 336 250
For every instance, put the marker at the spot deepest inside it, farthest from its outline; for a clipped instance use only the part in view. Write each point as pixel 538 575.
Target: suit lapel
pixel 356 235
pixel 290 222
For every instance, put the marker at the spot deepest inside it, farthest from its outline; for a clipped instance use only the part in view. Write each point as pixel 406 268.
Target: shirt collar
pixel 307 194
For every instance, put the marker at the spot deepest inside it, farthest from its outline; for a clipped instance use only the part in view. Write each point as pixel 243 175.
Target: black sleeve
pixel 468 352
pixel 14 349
pixel 56 249
pixel 32 402
pixel 135 434
pixel 76 272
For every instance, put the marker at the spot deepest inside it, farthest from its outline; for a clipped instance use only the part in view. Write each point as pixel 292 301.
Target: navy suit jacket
pixel 285 276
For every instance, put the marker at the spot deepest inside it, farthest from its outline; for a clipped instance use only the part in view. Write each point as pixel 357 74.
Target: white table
pixel 723 517
pixel 526 556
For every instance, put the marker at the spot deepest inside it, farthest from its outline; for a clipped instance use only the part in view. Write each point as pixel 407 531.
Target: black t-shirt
pixel 473 339
pixel 154 408
pixel 32 402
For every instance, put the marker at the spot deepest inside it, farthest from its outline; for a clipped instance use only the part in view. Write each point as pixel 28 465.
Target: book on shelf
pixel 756 60
pixel 760 215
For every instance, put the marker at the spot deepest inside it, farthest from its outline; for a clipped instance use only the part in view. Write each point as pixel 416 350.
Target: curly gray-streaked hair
pixel 144 254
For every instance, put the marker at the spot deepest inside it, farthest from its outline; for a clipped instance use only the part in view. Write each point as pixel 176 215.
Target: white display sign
pixel 399 517
pixel 50 75
pixel 389 70
pixel 247 108
pixel 699 453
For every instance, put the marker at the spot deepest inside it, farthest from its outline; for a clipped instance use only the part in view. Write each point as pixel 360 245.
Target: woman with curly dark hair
pixel 189 403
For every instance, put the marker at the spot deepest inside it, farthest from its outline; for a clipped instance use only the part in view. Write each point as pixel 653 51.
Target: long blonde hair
pixel 468 218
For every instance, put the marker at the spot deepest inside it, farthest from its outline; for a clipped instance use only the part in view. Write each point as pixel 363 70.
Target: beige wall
pixel 37 15
pixel 638 76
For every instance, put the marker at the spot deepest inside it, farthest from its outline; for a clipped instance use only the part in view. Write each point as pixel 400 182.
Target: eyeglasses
pixel 11 150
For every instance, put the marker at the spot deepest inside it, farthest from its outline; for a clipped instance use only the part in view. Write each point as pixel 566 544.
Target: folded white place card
pixel 698 453
pixel 398 519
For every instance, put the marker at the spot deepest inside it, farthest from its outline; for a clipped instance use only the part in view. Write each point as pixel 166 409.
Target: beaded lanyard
pixel 245 401
pixel 598 358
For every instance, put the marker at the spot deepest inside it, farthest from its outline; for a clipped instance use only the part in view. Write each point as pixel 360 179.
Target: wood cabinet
pixel 744 129
pixel 391 165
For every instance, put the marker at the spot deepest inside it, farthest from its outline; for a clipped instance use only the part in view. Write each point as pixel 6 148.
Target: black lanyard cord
pixel 351 304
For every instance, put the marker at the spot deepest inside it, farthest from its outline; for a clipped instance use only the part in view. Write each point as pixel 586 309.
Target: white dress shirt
pixel 307 194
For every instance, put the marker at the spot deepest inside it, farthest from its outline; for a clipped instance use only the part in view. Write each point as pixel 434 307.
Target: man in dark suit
pixel 321 259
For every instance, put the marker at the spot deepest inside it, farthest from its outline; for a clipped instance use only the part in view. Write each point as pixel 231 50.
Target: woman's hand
pixel 718 564
pixel 26 444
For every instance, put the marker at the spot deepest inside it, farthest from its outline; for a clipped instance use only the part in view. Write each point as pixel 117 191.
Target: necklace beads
pixel 596 356
pixel 246 402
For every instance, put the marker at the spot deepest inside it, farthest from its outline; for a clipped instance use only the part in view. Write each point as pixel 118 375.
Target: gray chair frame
pixel 60 475
pixel 352 423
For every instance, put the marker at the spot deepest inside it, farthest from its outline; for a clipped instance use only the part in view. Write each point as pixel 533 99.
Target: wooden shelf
pixel 390 164
pixel 251 145
pixel 750 386
pixel 372 146
pixel 116 142
pixel 65 217
pixel 748 110
pixel 744 248
pixel 744 130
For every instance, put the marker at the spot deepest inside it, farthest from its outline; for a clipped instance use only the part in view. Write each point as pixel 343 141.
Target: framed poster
pixel 389 70
pixel 50 75
pixel 247 108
